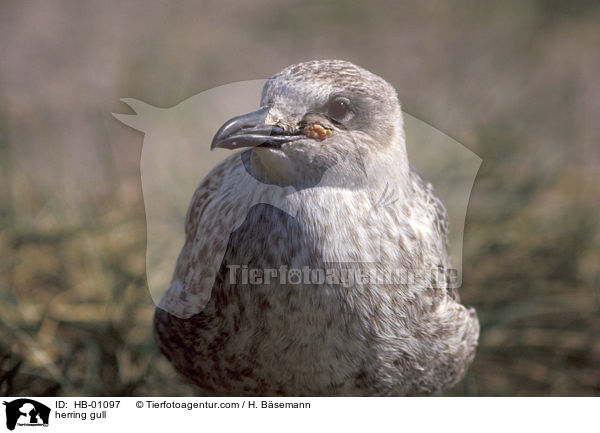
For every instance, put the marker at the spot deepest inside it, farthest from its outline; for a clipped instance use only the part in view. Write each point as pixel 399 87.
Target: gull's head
pixel 318 115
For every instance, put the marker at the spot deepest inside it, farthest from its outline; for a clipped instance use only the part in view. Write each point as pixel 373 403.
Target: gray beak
pixel 250 130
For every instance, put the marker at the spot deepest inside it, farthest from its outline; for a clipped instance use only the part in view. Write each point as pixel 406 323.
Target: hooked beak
pixel 250 130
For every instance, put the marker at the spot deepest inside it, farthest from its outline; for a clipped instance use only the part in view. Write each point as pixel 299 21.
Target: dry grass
pixel 80 322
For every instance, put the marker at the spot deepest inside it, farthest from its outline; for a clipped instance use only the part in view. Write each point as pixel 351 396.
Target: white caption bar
pixel 44 414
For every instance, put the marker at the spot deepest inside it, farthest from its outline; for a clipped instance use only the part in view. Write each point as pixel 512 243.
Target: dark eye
pixel 339 108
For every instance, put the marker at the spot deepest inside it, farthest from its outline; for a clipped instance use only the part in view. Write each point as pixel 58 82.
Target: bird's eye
pixel 339 109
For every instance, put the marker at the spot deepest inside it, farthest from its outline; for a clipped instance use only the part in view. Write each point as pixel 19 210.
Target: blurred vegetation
pixel 516 82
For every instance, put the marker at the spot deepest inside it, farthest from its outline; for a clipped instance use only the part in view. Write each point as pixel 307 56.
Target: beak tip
pixel 224 137
pixel 217 142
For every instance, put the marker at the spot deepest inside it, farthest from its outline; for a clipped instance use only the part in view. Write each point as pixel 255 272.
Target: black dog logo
pixel 30 410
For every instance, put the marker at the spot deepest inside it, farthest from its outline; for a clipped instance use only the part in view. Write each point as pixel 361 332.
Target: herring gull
pixel 352 294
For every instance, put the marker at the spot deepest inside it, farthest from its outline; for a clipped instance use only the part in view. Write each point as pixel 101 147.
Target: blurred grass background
pixel 516 82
